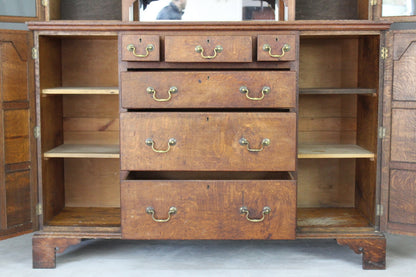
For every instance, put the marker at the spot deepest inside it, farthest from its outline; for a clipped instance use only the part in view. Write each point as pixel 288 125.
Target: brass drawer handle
pixel 264 142
pixel 266 210
pixel 150 142
pixel 151 210
pixel 285 48
pixel 132 49
pixel 264 91
pixel 152 91
pixel 200 49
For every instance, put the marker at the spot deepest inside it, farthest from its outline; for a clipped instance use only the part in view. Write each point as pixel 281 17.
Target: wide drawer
pixel 214 209
pixel 208 89
pixel 138 48
pixel 208 141
pixel 208 49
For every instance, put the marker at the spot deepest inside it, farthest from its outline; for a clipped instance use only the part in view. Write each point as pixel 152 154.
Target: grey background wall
pixel 17 8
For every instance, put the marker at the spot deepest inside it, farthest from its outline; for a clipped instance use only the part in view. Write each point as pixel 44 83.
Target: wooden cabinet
pixel 18 193
pixel 268 130
pixel 205 143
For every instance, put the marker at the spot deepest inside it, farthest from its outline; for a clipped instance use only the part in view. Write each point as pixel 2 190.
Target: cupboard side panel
pixel 50 117
pixel 367 125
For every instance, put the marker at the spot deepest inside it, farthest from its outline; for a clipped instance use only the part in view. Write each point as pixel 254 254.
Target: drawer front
pixel 208 141
pixel 208 49
pixel 208 209
pixel 276 48
pixel 140 48
pixel 238 89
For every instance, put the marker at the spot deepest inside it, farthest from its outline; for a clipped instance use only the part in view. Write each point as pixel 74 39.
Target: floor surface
pixel 207 258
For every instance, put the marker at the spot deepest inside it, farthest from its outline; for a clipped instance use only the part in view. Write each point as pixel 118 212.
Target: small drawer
pixel 276 48
pixel 208 141
pixel 208 209
pixel 199 49
pixel 140 48
pixel 207 89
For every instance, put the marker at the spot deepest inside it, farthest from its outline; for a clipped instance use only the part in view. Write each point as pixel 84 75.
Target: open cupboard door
pixel 19 209
pixel 398 175
pixel 18 193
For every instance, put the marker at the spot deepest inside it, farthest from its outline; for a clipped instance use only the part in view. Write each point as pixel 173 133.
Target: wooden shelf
pixel 84 151
pixel 338 91
pixel 82 90
pixel 330 219
pixel 333 151
pixel 87 217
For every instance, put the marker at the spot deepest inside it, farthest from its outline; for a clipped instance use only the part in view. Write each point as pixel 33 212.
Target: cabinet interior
pixel 79 131
pixel 337 133
pixel 207 175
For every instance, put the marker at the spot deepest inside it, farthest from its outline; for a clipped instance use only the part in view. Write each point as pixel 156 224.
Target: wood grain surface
pixel 182 48
pixel 276 42
pixel 373 250
pixel 402 205
pixel 18 188
pixel 140 42
pixel 208 89
pixel 208 141
pixel 209 209
pixel 403 136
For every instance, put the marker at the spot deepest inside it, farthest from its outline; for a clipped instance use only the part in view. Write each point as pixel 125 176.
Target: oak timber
pixel 81 90
pixel 325 151
pixel 84 151
pixel 91 216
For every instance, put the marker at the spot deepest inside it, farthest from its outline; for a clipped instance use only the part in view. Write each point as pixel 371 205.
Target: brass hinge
pixel 39 209
pixel 381 132
pixel 380 210
pixel 35 53
pixel 45 3
pixel 36 132
pixel 373 2
pixel 384 53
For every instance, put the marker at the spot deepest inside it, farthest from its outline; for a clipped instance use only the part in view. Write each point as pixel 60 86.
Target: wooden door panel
pixel 398 171
pixel 17 167
pixel 403 135
pixel 404 73
pixel 14 71
pixel 18 198
pixel 16 136
pixel 402 197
